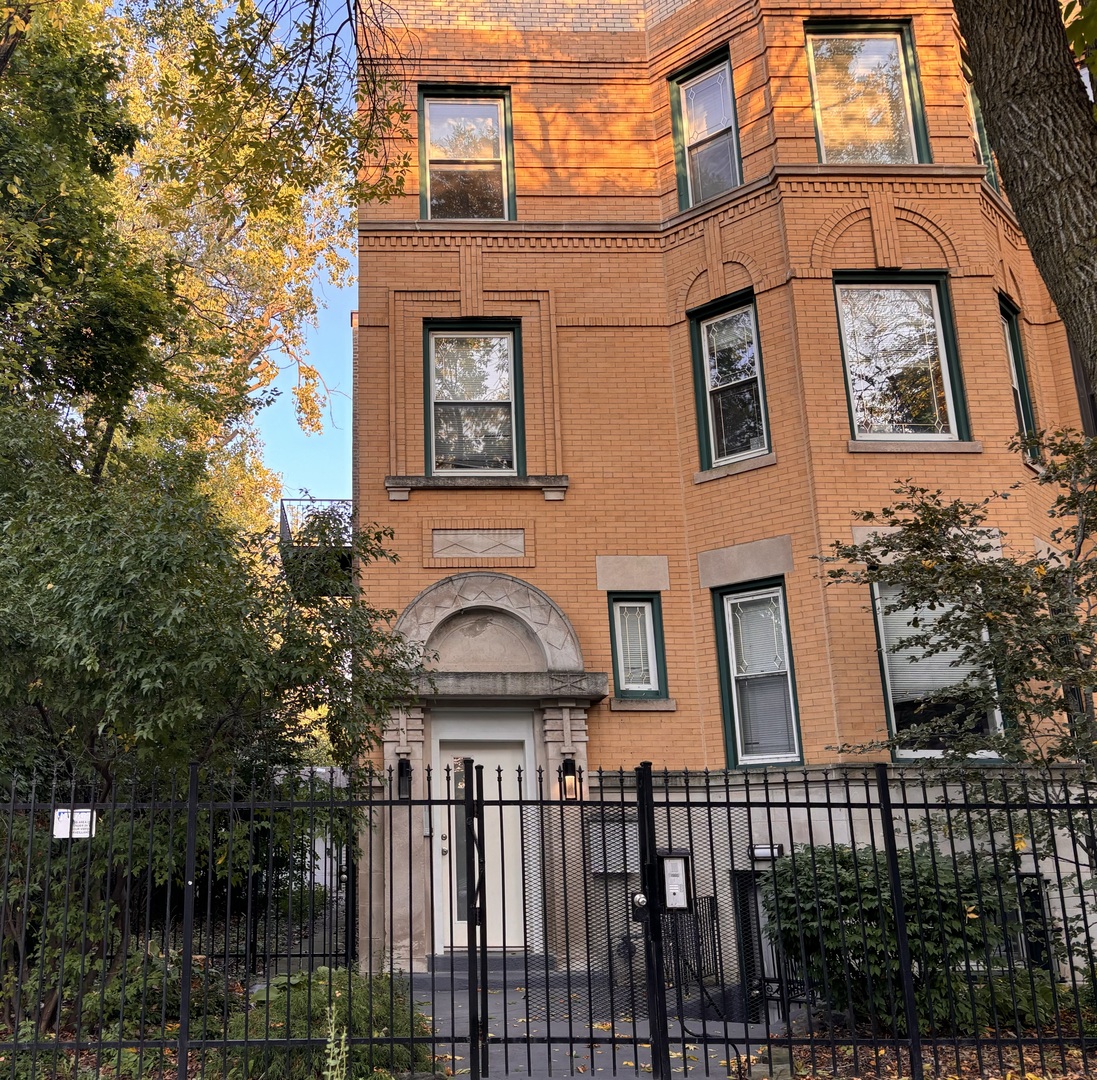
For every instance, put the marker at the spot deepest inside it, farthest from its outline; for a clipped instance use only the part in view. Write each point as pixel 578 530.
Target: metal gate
pixel 638 943
pixel 648 936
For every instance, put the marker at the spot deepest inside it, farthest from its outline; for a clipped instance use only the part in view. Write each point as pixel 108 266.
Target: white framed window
pixel 638 663
pixel 706 133
pixel 863 94
pixel 472 401
pixel 760 677
pixel 899 374
pixel 980 143
pixel 731 371
pixel 1018 380
pixel 913 680
pixel 466 158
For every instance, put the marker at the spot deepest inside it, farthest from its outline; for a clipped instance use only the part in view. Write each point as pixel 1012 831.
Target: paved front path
pixel 561 1026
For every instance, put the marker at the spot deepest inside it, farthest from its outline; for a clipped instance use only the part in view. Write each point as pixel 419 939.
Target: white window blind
pixel 911 674
pixel 863 112
pixel 762 693
pixel 635 645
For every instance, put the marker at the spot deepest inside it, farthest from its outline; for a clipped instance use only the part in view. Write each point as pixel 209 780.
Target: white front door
pixel 502 744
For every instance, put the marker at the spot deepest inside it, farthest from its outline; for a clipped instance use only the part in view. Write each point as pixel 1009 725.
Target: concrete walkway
pixel 565 1024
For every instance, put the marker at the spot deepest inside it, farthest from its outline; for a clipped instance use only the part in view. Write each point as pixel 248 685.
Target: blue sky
pixel 318 464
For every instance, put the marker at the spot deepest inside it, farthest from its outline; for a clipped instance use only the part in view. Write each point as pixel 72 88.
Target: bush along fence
pixel 478 919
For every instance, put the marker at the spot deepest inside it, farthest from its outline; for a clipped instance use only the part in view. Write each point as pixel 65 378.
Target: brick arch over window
pixel 835 227
pixel 932 227
pixel 736 265
pixel 489 591
pixel 695 289
pixel 830 232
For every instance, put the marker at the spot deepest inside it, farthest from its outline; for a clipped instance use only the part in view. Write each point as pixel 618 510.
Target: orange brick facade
pixel 598 270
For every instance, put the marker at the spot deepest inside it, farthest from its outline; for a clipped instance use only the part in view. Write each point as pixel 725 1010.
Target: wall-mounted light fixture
pixel 569 779
pixel 403 779
pixel 766 852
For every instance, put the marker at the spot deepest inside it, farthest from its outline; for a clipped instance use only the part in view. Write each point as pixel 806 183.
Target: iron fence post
pixel 482 918
pixel 658 1034
pixel 472 916
pixel 906 977
pixel 188 923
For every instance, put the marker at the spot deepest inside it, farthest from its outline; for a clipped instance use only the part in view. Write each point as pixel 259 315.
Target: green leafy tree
pixel 1021 623
pixel 227 144
pixel 146 617
pixel 84 316
pixel 138 627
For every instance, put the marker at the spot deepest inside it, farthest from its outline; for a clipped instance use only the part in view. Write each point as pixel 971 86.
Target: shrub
pixel 145 993
pixel 830 912
pixel 309 1006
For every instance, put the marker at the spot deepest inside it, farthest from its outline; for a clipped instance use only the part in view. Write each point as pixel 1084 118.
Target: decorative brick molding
pixel 476 542
pixel 509 594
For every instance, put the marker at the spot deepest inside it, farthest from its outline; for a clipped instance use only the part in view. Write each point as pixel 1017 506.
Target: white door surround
pixel 501 741
pixel 537 696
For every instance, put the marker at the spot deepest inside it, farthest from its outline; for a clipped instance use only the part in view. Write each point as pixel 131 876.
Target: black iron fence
pixel 480 919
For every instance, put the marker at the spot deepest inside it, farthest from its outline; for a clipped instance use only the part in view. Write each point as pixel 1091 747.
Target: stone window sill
pixel 665 704
pixel 913 446
pixel 401 487
pixel 733 468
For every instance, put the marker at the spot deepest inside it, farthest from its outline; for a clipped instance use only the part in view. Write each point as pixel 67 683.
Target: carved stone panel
pixel 478 543
pixel 486 591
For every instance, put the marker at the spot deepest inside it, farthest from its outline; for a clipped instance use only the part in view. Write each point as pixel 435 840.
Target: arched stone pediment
pixel 477 596
pixel 484 639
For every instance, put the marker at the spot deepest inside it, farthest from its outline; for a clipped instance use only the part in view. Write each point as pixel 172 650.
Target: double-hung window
pixel 1018 380
pixel 981 143
pixel 866 97
pixel 731 403
pixel 901 375
pixel 759 705
pixel 474 409
pixel 914 681
pixel 639 667
pixel 465 162
pixel 706 144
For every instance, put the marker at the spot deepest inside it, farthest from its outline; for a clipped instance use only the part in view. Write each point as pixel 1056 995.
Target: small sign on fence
pixel 73 824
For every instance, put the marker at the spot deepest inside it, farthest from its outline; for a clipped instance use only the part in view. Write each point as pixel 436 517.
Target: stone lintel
pixel 632 573
pixel 745 562
pixel 582 687
pixel 554 486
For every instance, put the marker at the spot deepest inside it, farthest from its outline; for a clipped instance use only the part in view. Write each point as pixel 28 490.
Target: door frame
pixel 493 724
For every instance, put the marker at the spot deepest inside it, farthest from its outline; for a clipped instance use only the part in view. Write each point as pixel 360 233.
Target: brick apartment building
pixel 675 286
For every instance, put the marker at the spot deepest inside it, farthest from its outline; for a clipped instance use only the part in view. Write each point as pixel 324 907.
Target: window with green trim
pixel 866 96
pixel 705 137
pixel 465 155
pixel 756 665
pixel 731 406
pixel 902 377
pixel 981 143
pixel 1018 378
pixel 917 682
pixel 474 416
pixel 639 664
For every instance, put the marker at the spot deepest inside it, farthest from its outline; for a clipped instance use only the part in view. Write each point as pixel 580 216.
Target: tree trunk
pixel 1041 126
pixel 11 32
